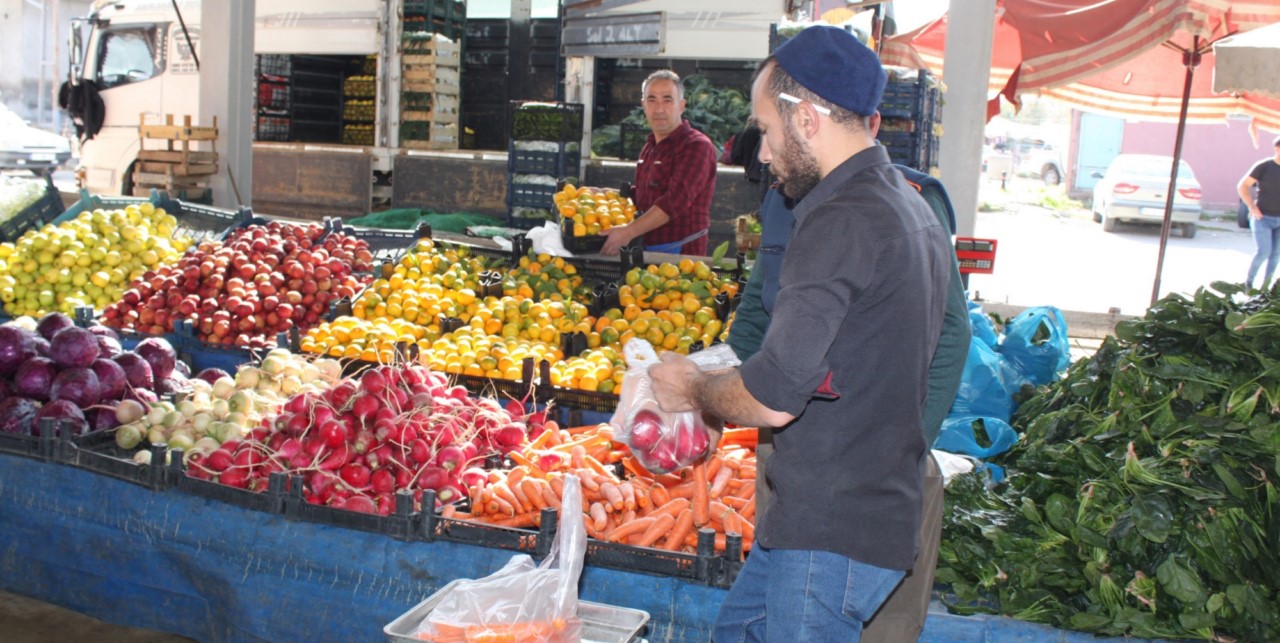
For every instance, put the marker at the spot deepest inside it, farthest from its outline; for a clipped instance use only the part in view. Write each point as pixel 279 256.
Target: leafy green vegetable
pixel 1141 500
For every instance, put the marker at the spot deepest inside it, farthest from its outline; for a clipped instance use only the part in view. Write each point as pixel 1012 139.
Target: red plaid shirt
pixel 678 175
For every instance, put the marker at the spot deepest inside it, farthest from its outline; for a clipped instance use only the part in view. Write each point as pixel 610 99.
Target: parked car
pixel 1134 189
pixel 29 148
pixel 1041 160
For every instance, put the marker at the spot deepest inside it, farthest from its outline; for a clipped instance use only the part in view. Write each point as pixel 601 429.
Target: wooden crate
pixel 430 145
pixel 176 167
pixel 430 85
pixel 746 240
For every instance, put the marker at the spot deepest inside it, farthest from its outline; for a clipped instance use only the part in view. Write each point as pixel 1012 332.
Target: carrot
pixel 542 439
pixel 585 428
pixel 533 493
pixel 623 530
pixel 642 488
pixel 527 519
pixel 743 437
pixel 448 511
pixel 595 465
pixel 682 527
pixel 527 464
pixel 598 516
pixel 713 466
pixel 747 472
pixel 701 508
pixel 735 502
pixel 557 485
pixel 637 471
pixel 721 479
pixel 501 490
pixel 749 511
pixel 518 492
pixel 683 490
pixel 613 495
pixel 628 494
pixel 660 527
pixel 486 499
pixel 549 495
pixel 499 505
pixel 674 507
pixel 658 494
pixel 669 480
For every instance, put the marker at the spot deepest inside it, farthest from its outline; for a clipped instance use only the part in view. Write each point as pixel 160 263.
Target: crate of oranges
pixel 585 212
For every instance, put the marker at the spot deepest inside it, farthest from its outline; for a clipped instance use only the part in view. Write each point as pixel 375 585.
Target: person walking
pixel 675 177
pixel 1264 214
pixel 843 369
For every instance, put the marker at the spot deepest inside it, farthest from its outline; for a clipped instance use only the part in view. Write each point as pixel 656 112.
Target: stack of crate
pixel 429 89
pixel 911 119
pixel 172 165
pixel 359 93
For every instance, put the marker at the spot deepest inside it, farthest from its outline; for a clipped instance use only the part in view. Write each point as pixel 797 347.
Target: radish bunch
pixel 391 428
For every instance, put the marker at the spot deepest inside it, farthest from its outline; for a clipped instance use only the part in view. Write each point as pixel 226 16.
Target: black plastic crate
pixel 30 446
pixel 631 140
pixel 270 501
pixel 643 559
pixel 907 148
pixel 99 453
pixel 545 121
pixel 203 222
pixel 530 195
pixel 385 244
pixel 596 271
pixel 402 525
pixel 199 354
pixel 434 527
pixel 34 216
pixel 907 99
pixel 586 244
pixel 560 164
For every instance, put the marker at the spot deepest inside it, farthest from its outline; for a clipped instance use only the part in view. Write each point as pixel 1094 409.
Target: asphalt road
pixel 1062 258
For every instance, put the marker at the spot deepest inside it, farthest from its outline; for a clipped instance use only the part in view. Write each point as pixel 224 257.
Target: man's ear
pixel 808 120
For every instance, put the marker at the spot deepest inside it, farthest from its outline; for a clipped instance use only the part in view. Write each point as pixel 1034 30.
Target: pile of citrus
pixel 593 209
pixel 87 261
pixel 541 276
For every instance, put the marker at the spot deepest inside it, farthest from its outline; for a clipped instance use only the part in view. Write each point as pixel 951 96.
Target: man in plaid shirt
pixel 675 177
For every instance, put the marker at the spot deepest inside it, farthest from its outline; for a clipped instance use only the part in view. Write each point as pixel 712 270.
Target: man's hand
pixel 617 237
pixel 1254 212
pixel 673 382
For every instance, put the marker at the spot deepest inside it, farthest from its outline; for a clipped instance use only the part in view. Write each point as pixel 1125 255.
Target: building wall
pixel 33 45
pixel 1219 154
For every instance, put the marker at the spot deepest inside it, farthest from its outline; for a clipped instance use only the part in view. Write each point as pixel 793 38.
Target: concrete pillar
pixel 964 112
pixel 580 87
pixel 226 91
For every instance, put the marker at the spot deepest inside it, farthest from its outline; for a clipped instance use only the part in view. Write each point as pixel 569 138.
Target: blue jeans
pixel 789 595
pixel 1266 236
pixel 672 248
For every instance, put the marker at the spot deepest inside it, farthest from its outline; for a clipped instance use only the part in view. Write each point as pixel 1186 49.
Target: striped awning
pixel 1122 57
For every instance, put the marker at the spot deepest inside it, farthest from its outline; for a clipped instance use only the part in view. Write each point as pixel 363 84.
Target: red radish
pixel 334 433
pixel 363 441
pixel 386 504
pixel 297 424
pixel 300 460
pixel 339 457
pixel 382 481
pixel 432 478
pixel 358 503
pixel 549 461
pixel 312 446
pixel 474 477
pixel 404 478
pixel 286 447
pixel 450 457
pixel 511 435
pixel 373 382
pixel 356 475
pixel 219 460
pixel 342 393
pixel 450 493
pixel 379 456
pixel 365 407
pixel 234 477
pixel 420 451
pixel 646 430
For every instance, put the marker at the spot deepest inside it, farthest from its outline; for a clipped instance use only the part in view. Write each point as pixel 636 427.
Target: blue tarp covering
pixel 213 572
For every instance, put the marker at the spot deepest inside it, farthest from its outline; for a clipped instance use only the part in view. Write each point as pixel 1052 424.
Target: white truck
pixel 137 54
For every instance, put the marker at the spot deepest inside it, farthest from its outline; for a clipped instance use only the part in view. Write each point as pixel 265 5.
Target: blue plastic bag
pixel 1036 343
pixel 987 384
pixel 982 326
pixel 957 436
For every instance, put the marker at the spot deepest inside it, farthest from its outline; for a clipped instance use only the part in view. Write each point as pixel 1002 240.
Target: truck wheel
pixel 1188 231
pixel 1051 175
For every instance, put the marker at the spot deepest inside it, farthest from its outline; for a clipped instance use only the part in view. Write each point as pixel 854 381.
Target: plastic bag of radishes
pixel 662 442
pixel 522 601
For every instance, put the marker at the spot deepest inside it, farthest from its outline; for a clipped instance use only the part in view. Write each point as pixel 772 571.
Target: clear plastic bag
pixel 662 442
pixel 522 601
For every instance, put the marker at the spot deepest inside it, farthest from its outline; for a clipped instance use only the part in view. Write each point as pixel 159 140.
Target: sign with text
pixel 614 36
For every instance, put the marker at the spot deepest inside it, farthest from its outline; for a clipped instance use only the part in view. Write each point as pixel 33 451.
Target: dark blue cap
pixel 835 65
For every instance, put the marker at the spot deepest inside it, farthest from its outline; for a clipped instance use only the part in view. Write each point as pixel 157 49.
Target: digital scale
pixel 976 256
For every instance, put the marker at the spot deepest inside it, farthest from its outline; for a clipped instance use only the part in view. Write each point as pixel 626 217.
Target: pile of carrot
pixel 642 509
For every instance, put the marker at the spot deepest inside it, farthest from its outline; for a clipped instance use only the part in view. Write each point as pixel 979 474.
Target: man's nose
pixel 764 155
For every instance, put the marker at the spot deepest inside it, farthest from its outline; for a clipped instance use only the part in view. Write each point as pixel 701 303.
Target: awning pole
pixel 1190 59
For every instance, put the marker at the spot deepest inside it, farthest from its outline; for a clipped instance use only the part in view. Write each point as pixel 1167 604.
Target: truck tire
pixel 1051 175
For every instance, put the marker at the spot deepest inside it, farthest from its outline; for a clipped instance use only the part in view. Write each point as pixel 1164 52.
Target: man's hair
pixel 1276 142
pixel 780 82
pixel 663 74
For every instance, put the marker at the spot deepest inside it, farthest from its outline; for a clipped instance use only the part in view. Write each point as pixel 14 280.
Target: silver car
pixel 29 148
pixel 1134 190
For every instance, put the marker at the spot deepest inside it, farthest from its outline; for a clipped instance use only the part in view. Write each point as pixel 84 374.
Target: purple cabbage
pixel 73 347
pixel 34 378
pixel 136 370
pixel 50 324
pixel 159 354
pixel 17 415
pixel 15 348
pixel 76 385
pixel 63 410
pixel 111 378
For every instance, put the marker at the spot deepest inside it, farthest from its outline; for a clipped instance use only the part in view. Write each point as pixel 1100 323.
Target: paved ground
pixel 24 620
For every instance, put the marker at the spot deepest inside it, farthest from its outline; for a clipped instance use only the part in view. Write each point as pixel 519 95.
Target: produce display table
pixel 213 572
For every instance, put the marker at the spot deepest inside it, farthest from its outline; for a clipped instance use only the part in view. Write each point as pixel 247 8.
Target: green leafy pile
pixel 1142 496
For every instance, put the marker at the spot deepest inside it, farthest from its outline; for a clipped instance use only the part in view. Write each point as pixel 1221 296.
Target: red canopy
pixel 1115 56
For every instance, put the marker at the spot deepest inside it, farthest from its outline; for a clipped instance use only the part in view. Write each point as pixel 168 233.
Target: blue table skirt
pixel 213 572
